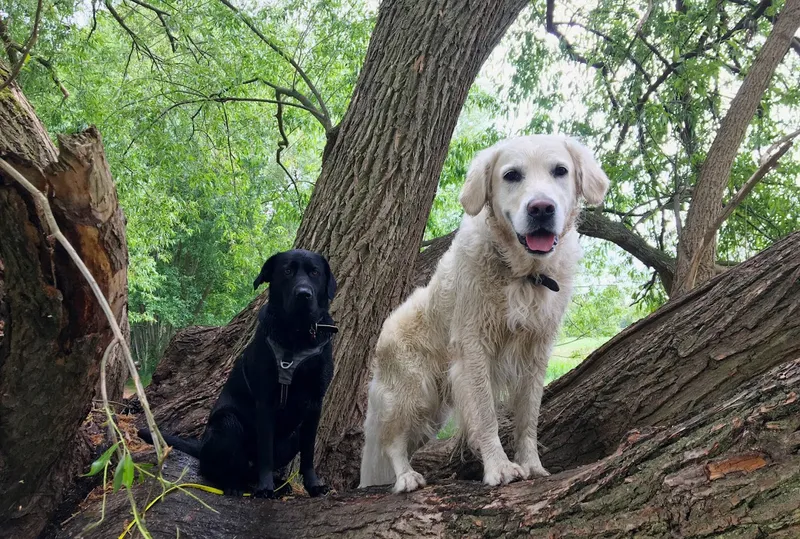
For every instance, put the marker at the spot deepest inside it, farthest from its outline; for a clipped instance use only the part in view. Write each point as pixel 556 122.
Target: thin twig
pixel 27 48
pixel 323 110
pixel 282 144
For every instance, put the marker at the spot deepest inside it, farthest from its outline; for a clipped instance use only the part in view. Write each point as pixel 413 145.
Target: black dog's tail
pixel 189 446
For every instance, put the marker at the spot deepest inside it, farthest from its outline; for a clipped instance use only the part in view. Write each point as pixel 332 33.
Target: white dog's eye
pixel 512 175
pixel 560 171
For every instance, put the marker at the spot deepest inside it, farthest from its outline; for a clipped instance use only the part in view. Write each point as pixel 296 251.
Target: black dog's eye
pixel 287 271
pixel 560 171
pixel 512 175
pixel 314 273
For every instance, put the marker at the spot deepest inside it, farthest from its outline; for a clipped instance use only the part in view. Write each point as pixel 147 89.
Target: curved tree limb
pixel 766 166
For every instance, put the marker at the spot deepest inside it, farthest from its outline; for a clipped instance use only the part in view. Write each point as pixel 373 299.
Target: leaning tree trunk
pixel 52 330
pixel 685 425
pixel 715 174
pixel 367 213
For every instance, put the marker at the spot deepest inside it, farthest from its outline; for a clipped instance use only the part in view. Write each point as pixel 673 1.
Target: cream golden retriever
pixel 485 325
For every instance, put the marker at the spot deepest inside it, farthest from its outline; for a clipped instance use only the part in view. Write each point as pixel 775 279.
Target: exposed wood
pixel 54 332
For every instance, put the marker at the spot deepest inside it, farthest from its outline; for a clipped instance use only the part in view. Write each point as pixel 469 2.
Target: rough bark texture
pixel 732 470
pixel 370 203
pixel 53 331
pixel 715 174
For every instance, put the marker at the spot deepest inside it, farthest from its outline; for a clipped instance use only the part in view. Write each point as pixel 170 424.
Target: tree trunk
pixel 368 210
pixel 52 331
pixel 715 174
pixel 702 396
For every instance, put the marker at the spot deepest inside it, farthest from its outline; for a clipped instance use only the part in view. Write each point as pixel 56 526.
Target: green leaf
pixel 119 473
pixel 102 461
pixel 127 470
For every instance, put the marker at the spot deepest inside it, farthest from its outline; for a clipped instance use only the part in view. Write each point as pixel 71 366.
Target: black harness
pixel 288 360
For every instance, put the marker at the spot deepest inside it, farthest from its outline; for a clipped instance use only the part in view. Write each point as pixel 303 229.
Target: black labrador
pixel 270 406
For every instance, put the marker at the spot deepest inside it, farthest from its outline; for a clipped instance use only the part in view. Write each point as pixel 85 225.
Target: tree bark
pixel 369 207
pixel 52 331
pixel 715 174
pixel 732 470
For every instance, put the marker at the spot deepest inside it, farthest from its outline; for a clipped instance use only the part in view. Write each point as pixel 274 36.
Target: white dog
pixel 485 325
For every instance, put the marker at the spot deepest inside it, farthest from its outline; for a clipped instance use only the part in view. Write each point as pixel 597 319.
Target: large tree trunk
pixel 715 174
pixel 702 396
pixel 52 330
pixel 368 210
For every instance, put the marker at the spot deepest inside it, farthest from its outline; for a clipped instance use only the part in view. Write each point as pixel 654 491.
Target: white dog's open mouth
pixel 539 242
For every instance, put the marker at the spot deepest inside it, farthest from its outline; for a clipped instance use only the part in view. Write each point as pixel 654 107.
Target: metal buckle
pixel 286 364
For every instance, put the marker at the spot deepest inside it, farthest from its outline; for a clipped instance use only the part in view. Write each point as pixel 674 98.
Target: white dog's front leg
pixel 474 401
pixel 526 400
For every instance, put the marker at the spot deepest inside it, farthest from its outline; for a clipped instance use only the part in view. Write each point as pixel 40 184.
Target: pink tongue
pixel 540 242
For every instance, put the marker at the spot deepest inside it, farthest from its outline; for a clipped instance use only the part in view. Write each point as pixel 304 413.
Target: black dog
pixel 269 407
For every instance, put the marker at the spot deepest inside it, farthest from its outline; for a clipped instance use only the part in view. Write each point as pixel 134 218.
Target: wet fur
pixel 480 329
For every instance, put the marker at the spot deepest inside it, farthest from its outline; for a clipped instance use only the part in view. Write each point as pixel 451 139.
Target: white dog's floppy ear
pixel 592 181
pixel 476 187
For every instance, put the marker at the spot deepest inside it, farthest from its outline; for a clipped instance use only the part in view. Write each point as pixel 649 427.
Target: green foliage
pixel 102 461
pixel 186 105
pixel 651 104
pixel 191 135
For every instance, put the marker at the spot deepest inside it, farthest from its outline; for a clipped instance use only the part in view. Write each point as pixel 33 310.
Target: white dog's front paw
pixel 502 473
pixel 533 469
pixel 408 481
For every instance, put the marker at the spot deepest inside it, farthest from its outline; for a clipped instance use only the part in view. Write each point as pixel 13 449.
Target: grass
pixel 567 355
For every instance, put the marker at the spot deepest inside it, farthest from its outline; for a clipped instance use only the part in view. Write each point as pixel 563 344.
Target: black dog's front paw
pixel 317 490
pixel 233 492
pixel 267 493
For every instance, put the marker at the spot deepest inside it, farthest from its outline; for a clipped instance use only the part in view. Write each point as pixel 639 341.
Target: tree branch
pixel 767 164
pixel 283 143
pixel 715 173
pixel 323 110
pixel 27 48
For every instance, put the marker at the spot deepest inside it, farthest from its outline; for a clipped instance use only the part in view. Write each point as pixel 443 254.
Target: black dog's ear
pixel 266 272
pixel 331 280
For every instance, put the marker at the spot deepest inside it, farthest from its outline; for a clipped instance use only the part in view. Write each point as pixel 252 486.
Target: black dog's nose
pixel 304 293
pixel 543 207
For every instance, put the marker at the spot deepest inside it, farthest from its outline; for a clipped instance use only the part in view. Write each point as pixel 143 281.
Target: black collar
pixel 544 280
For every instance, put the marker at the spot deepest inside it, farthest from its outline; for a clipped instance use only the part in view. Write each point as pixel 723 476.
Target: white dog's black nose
pixel 543 207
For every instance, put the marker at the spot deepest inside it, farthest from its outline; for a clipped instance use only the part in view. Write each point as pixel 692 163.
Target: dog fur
pixel 482 328
pixel 251 432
